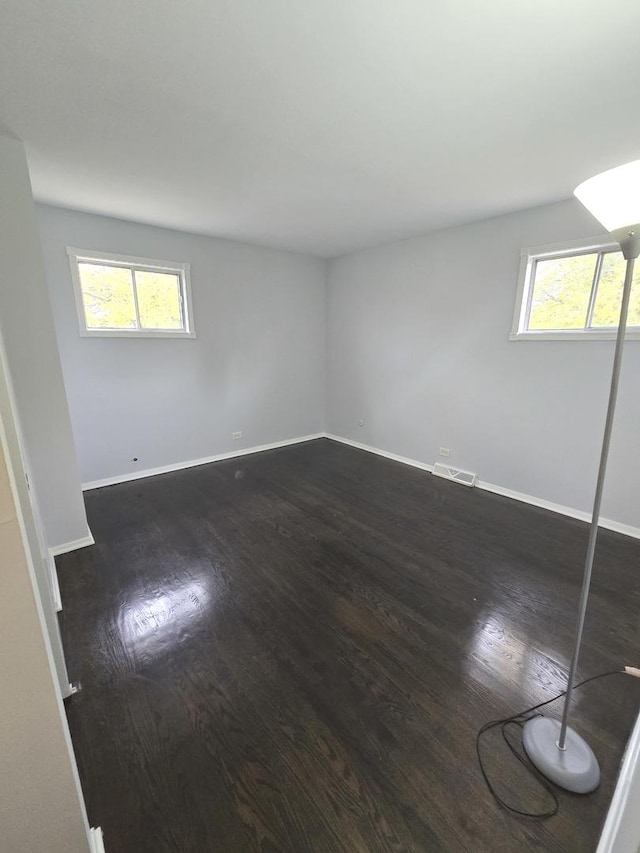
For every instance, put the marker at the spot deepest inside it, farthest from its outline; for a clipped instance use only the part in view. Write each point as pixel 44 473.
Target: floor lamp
pixel 557 750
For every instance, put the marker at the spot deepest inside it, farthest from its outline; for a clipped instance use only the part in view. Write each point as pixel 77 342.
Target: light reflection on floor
pixel 499 652
pixel 154 621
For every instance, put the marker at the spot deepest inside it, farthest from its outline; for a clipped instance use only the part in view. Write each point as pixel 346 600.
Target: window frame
pixel 524 293
pixel 131 262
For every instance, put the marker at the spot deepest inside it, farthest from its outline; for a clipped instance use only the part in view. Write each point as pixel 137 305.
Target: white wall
pixel 32 354
pixel 416 344
pixel 256 365
pixel 418 347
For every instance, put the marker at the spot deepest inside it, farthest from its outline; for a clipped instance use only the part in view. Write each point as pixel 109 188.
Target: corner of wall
pixel 31 357
pixel 325 355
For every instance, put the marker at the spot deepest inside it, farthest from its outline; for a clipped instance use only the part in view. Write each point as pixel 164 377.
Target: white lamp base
pixel 575 768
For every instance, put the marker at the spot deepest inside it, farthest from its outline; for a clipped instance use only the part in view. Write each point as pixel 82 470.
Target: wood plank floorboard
pixel 293 651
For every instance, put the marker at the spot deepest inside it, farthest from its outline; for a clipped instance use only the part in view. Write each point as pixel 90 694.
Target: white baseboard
pixel 609 523
pixel 96 840
pixel 621 830
pixel 571 512
pixel 65 547
pixel 55 586
pixel 192 463
pixel 406 460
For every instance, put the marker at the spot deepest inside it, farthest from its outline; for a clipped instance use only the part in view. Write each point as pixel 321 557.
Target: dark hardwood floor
pixel 293 651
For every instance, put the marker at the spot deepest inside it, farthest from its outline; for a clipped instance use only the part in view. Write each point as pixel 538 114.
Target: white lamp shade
pixel 613 197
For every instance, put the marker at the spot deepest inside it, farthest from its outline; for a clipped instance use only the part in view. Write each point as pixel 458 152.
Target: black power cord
pixel 519 720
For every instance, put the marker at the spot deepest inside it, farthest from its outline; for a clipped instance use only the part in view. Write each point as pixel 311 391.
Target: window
pixel 573 291
pixel 120 296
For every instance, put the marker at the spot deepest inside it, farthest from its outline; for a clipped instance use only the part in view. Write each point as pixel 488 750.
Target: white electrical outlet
pixel 236 435
pixel 444 451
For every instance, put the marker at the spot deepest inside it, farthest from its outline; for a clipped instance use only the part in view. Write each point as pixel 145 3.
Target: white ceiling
pixel 320 126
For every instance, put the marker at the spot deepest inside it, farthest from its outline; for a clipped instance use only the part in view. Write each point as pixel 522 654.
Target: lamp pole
pixel 595 518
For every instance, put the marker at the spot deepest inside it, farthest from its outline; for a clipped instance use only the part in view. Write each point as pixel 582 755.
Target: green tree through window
pixel 580 292
pixel 119 295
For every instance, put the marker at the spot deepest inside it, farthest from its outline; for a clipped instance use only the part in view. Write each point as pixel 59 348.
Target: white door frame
pixel 621 831
pixel 33 528
pixel 11 449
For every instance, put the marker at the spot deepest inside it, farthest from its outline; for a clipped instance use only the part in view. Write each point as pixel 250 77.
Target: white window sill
pixel 134 333
pixel 578 335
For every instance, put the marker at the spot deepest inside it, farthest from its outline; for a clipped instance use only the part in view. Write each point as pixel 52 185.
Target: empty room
pixel 319 444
